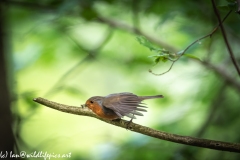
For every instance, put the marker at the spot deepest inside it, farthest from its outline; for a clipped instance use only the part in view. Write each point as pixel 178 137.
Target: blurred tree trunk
pixel 6 133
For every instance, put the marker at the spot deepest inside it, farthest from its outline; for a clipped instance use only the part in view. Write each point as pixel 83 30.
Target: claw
pixel 128 123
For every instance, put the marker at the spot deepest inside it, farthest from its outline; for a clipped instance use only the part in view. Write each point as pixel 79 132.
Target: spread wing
pixel 124 104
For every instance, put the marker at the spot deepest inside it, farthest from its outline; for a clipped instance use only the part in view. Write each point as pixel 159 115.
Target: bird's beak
pixel 83 105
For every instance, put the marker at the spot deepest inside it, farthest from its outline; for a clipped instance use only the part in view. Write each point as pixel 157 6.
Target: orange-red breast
pixel 117 105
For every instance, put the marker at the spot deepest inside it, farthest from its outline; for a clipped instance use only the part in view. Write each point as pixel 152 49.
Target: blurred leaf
pixel 66 6
pixel 160 57
pixel 228 7
pixel 180 52
pixel 223 8
pixel 192 56
pixel 232 5
pixel 163 55
pixel 164 59
pixel 143 41
pixel 157 60
pixel 89 13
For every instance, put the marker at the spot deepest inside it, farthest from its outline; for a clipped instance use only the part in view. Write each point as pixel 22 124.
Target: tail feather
pixel 130 115
pixel 150 97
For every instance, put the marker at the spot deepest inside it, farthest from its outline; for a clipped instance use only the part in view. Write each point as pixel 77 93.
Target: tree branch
pixel 194 42
pixel 7 140
pixel 238 4
pixel 204 143
pixel 130 29
pixel 135 30
pixel 208 35
pixel 225 38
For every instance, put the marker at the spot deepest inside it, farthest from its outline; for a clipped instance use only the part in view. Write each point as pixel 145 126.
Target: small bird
pixel 117 105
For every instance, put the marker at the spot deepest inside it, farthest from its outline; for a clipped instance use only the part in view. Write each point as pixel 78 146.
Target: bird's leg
pixel 129 122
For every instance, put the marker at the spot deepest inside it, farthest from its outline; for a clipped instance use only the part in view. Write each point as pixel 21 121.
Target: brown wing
pixel 124 104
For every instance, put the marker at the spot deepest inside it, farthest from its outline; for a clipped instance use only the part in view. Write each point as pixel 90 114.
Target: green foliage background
pixel 64 52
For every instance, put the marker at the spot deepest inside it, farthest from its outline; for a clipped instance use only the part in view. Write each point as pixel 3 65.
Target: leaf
pixel 192 56
pixel 164 51
pixel 157 60
pixel 160 58
pixel 164 59
pixel 180 52
pixel 143 41
pixel 223 8
pixel 228 7
pixel 154 56
pixel 232 5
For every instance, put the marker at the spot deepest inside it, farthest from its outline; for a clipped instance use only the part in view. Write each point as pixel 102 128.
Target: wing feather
pixel 124 104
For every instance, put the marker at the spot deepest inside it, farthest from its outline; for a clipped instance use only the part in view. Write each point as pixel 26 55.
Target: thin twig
pixel 204 143
pixel 194 42
pixel 128 28
pixel 163 72
pixel 225 38
pixel 208 35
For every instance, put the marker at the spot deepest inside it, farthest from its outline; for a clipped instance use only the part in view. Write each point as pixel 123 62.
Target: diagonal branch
pixel 208 35
pixel 225 38
pixel 128 28
pixel 189 46
pixel 204 143
pixel 131 29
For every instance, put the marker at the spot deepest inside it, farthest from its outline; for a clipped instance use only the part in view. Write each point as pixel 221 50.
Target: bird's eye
pixel 91 101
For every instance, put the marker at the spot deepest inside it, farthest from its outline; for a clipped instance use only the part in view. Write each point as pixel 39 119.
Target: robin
pixel 117 105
